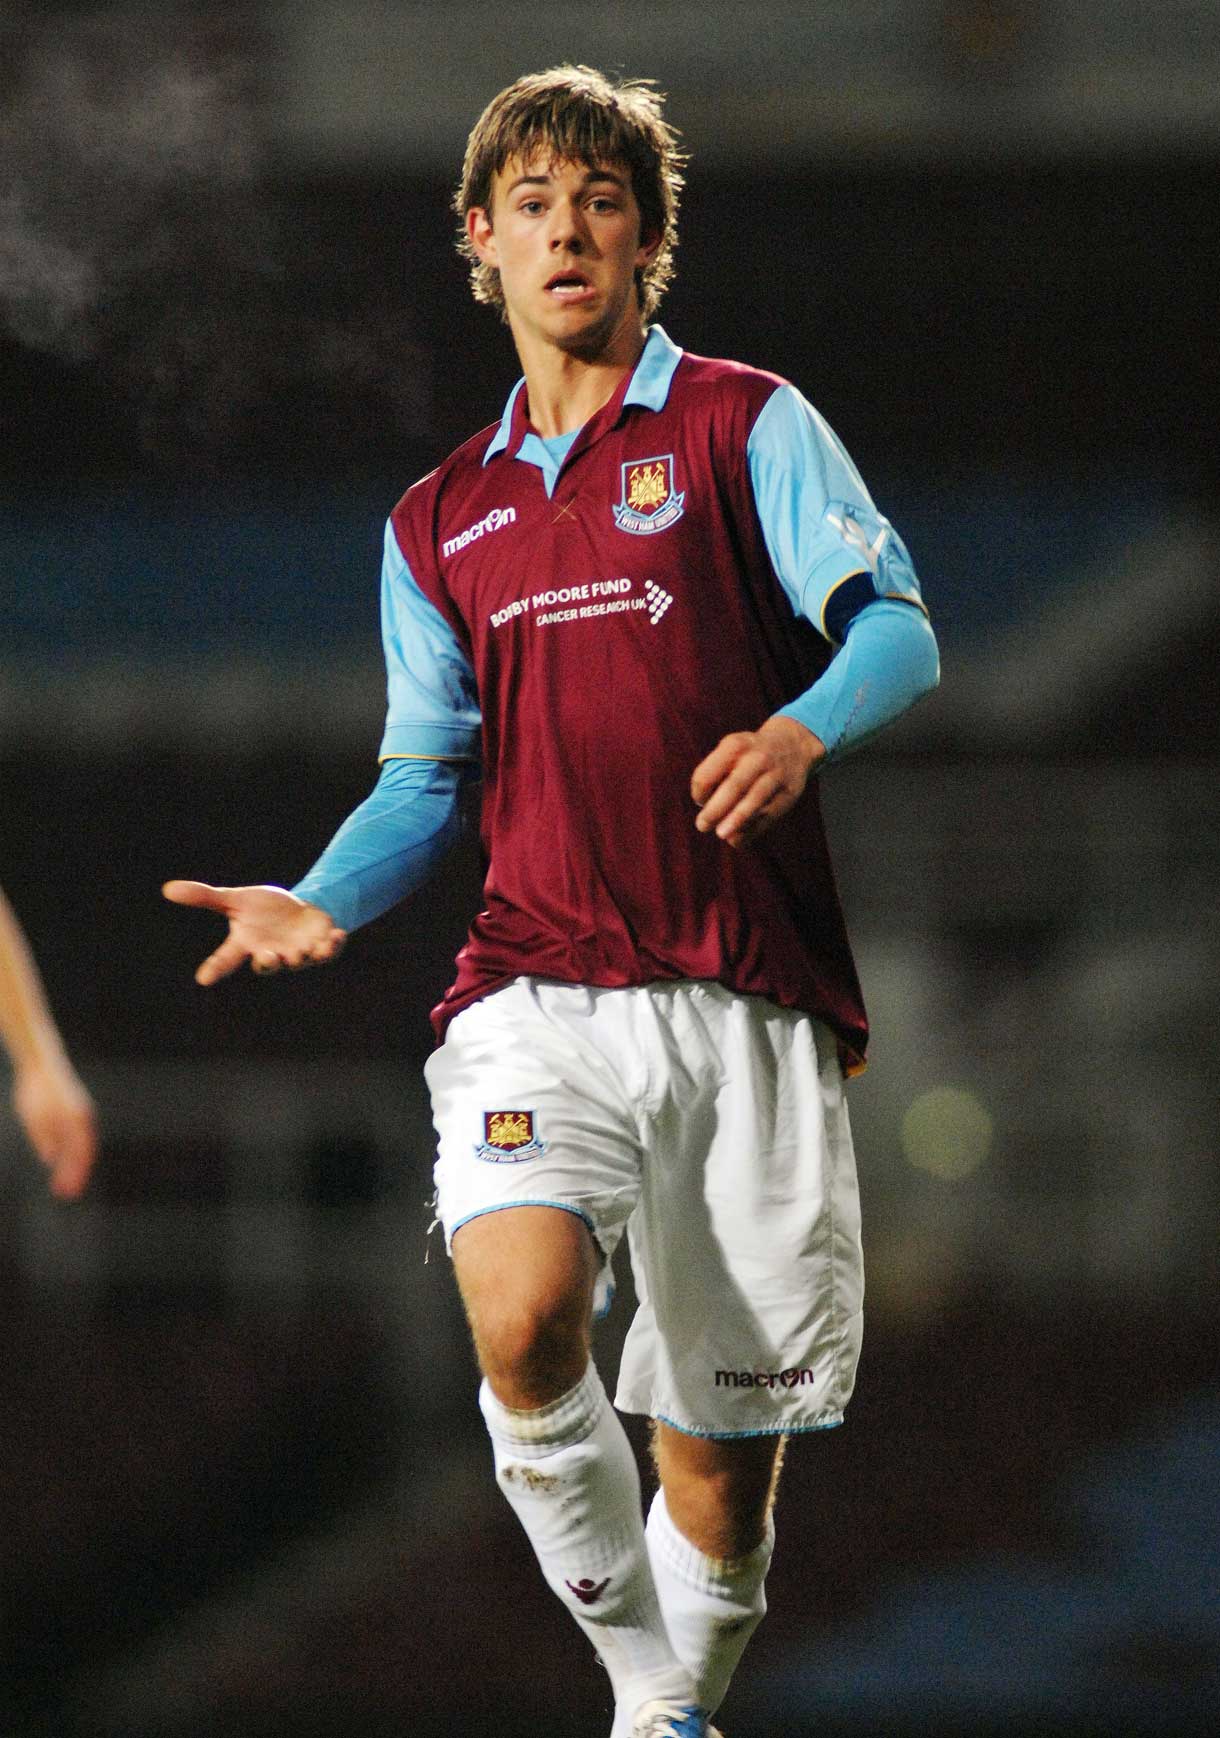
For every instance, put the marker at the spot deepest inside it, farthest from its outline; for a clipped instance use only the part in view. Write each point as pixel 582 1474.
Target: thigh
pixel 530 1111
pixel 746 1243
pixel 527 1279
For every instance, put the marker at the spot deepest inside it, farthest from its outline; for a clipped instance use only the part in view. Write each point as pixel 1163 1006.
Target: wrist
pixel 798 738
pixel 37 1052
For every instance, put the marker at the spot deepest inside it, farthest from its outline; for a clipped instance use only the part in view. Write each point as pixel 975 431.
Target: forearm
pixel 391 844
pixel 27 1027
pixel 888 661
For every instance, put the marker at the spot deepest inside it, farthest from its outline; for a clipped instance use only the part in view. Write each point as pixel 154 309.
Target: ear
pixel 481 235
pixel 650 246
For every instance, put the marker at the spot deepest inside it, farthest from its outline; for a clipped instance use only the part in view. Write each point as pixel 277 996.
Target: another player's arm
pixel 398 836
pixel 844 568
pixel 51 1103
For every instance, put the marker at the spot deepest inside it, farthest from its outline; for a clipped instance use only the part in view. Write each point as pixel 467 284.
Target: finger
pixel 321 949
pixel 44 1138
pixel 265 960
pixel 228 956
pixel 738 829
pixel 67 1180
pixel 197 893
pixel 70 1170
pixel 729 792
pixel 754 810
pixel 713 767
pixel 320 952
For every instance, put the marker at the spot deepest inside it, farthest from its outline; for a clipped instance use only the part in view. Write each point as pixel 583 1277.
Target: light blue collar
pixel 649 385
pixel 500 439
pixel 654 371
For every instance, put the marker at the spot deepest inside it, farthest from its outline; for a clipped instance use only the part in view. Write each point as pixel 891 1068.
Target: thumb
pixel 197 893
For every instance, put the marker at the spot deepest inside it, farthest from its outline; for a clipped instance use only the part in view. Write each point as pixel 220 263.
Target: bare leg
pixel 718 1492
pixel 526 1276
pixel 562 1458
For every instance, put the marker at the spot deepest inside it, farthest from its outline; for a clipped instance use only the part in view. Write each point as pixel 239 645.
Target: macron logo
pixel 495 521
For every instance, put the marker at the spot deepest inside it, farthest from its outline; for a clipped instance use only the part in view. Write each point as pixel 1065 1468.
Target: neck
pixel 567 387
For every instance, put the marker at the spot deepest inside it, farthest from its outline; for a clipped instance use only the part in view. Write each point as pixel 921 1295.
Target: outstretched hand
pixel 753 777
pixel 268 926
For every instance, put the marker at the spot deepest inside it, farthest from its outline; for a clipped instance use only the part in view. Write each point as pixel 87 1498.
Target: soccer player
pixel 647 604
pixel 52 1105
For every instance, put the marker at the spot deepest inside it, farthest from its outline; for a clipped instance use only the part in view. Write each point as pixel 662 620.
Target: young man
pixel 649 602
pixel 52 1105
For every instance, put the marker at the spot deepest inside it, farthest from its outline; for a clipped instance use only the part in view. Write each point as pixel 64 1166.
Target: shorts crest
pixel 649 502
pixel 508 1137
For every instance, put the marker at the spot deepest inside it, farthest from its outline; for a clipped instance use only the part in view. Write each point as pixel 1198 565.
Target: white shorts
pixel 713 1127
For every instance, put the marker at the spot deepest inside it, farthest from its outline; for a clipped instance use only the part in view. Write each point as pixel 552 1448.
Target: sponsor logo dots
pixel 657 599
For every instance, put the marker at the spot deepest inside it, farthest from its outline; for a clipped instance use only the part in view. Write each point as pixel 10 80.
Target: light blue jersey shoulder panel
pixel 818 518
pixel 433 705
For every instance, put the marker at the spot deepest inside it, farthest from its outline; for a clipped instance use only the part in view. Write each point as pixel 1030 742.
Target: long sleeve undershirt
pixel 398 836
pixel 888 660
pixel 391 844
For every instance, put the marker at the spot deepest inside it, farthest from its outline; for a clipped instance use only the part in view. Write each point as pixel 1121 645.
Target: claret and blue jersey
pixel 586 618
pixel 829 548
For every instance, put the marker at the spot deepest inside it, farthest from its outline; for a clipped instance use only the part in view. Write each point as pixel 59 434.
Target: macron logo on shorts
pixel 790 1378
pixel 496 520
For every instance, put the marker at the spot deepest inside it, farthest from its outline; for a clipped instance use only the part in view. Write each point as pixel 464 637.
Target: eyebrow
pixel 592 176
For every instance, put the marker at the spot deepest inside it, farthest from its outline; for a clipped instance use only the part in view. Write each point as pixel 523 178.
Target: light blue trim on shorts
pixel 737 1435
pixel 503 1206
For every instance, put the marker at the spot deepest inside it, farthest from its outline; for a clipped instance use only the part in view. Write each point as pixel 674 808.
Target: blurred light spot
pixel 947 1132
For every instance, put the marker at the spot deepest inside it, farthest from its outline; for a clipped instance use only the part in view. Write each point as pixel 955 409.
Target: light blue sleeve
pixel 391 844
pixel 432 699
pixel 818 518
pixel 395 839
pixel 888 660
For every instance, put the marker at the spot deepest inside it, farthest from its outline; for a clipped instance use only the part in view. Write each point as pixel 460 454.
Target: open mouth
pixel 568 286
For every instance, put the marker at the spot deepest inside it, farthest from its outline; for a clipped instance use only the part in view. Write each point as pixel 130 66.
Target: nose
pixel 568 234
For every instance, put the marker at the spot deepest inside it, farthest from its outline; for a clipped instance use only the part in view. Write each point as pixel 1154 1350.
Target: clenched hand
pixel 753 777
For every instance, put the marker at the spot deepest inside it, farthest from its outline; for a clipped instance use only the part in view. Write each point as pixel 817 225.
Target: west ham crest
pixel 649 503
pixel 508 1137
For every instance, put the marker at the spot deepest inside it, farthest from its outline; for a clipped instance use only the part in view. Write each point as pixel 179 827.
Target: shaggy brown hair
pixel 578 115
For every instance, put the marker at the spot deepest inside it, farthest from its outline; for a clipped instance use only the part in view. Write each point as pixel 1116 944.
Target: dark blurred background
pixel 243 1484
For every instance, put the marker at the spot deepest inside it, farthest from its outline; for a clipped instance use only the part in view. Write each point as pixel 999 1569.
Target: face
pixel 566 241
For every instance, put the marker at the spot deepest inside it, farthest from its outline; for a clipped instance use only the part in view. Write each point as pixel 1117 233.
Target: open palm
pixel 268 926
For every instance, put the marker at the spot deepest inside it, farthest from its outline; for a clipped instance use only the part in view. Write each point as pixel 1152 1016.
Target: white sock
pixel 711 1605
pixel 570 1475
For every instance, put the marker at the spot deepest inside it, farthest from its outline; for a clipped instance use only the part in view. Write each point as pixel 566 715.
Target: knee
pixel 526 1279
pixel 533 1348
